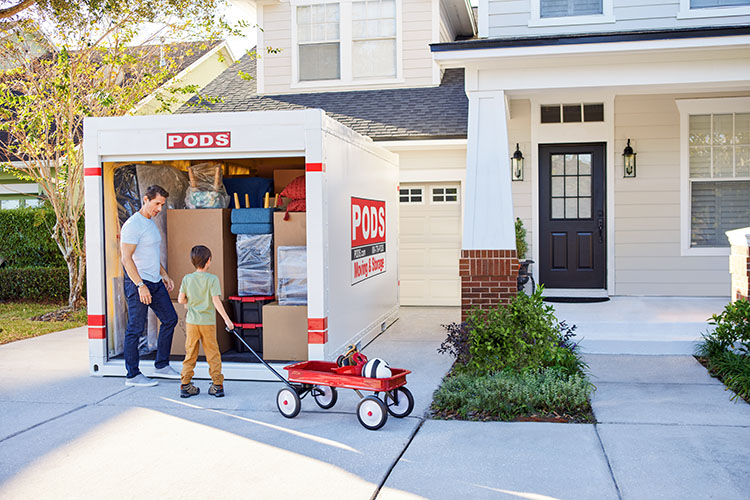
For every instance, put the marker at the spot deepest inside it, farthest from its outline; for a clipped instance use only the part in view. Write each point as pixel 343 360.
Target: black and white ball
pixel 376 368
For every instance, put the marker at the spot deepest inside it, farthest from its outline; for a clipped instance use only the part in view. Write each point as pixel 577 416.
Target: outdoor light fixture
pixel 628 157
pixel 516 165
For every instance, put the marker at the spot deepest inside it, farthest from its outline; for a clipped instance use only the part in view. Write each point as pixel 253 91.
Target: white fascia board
pixel 423 145
pixel 458 58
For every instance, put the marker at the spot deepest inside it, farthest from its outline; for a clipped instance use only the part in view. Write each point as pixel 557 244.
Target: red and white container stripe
pixel 341 167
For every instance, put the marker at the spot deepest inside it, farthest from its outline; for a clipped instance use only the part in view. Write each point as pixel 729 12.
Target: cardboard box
pixel 209 227
pixel 282 177
pixel 284 332
pixel 287 233
pixel 224 338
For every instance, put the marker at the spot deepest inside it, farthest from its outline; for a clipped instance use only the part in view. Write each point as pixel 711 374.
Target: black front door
pixel 572 235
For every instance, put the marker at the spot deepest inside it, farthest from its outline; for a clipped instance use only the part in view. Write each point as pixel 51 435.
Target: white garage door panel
pixel 429 249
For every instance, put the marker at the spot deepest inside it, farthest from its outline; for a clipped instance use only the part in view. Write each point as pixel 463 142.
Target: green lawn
pixel 15 322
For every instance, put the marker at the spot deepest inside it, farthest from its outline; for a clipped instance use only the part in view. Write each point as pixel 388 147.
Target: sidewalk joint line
pixel 42 423
pixel 676 424
pixel 606 458
pixel 397 459
pixel 111 395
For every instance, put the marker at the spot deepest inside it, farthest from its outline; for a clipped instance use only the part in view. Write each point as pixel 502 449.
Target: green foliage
pixel 25 238
pixel 42 284
pixel 521 247
pixel 732 325
pixel 508 395
pixel 524 335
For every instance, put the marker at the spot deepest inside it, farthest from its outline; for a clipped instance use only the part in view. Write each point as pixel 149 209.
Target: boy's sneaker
pixel 187 390
pixel 166 372
pixel 216 390
pixel 140 380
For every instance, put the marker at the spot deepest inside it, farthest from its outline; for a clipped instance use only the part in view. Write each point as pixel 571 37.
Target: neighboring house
pixel 199 63
pixel 368 65
pixel 572 82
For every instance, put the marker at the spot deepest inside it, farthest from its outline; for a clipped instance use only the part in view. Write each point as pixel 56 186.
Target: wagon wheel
pixel 400 402
pixel 372 413
pixel 288 402
pixel 325 396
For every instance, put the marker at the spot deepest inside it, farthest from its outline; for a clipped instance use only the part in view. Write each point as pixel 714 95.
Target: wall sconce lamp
pixel 628 157
pixel 516 165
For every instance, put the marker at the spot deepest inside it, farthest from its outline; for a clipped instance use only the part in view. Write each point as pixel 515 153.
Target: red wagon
pixel 322 378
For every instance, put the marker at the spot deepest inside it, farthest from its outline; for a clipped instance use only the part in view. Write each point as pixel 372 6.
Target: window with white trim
pixel 712 4
pixel 567 8
pixel 318 40
pixel 410 195
pixel 351 41
pixel 441 195
pixel 10 204
pixel 719 176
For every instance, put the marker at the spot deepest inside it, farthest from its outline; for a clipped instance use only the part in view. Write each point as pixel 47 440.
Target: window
pixel 33 202
pixel 713 8
pixel 572 113
pixel 715 143
pixel 570 186
pixel 8 204
pixel 708 4
pixel 445 195
pixel 354 41
pixel 564 8
pixel 318 39
pixel 374 39
pixel 410 195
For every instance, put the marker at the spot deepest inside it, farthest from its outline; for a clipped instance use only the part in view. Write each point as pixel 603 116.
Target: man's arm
pixel 127 250
pixel 165 278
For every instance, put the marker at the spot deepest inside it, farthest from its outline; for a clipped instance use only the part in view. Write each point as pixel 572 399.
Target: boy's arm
pixel 182 298
pixel 220 308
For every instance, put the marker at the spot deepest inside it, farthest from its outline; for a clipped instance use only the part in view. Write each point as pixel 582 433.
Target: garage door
pixel 430 244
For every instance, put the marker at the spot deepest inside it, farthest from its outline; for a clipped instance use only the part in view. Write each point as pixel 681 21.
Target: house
pixel 633 120
pixel 368 64
pixel 198 64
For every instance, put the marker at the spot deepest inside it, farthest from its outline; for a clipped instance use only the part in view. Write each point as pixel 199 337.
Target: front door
pixel 572 235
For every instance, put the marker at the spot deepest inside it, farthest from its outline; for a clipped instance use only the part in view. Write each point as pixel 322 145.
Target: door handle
pixel 601 227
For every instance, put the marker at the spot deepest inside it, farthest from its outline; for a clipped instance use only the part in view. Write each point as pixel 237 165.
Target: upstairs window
pixel 318 37
pixel 374 39
pixel 712 4
pixel 568 8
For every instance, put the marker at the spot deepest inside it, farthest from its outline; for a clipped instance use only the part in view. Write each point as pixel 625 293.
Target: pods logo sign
pixel 368 238
pixel 192 140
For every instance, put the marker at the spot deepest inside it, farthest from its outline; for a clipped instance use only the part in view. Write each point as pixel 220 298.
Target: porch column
pixel 739 262
pixel 488 266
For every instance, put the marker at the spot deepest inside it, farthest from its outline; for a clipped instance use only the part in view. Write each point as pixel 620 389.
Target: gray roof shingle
pixel 412 113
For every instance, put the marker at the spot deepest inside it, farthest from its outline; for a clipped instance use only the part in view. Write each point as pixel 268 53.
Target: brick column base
pixel 488 278
pixel 739 267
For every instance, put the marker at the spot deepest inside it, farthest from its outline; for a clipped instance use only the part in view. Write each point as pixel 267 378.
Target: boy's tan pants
pixel 206 335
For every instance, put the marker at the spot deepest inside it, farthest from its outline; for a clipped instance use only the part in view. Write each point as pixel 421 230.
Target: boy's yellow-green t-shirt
pixel 200 288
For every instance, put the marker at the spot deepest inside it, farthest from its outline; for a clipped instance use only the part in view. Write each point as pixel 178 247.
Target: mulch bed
pixel 583 418
pixel 62 314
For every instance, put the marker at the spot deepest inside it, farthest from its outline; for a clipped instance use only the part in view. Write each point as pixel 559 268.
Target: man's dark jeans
pixel 161 304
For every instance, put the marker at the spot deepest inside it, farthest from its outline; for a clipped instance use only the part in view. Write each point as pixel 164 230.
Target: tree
pixel 102 61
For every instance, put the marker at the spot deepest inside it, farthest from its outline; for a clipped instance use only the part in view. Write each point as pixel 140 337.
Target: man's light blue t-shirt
pixel 142 232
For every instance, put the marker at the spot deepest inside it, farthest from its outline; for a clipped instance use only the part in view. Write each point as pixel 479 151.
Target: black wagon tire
pixel 288 402
pixel 400 402
pixel 372 413
pixel 325 396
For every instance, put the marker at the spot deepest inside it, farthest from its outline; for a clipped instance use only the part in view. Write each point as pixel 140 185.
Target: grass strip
pixel 16 324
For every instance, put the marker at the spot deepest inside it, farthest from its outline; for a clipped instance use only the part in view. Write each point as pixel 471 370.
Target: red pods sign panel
pixel 191 140
pixel 368 238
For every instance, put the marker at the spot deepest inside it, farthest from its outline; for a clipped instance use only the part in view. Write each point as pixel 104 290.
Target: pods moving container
pixel 351 224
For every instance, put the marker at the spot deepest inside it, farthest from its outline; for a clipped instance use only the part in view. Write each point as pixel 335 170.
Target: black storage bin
pixel 250 309
pixel 252 334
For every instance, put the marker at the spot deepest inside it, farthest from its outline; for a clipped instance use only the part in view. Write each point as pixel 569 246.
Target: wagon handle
pixel 237 334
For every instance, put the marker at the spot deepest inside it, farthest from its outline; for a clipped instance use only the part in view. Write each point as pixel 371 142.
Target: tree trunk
pixel 65 234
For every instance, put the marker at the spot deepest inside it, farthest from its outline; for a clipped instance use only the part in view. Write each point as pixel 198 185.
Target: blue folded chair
pixel 251 228
pixel 252 216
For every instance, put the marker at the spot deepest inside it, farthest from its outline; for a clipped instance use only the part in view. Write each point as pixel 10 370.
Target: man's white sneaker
pixel 140 380
pixel 166 372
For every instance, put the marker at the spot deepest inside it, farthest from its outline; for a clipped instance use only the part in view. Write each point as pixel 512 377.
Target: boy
pixel 201 292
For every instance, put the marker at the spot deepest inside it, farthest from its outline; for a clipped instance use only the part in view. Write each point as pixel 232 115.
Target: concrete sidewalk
pixel 667 430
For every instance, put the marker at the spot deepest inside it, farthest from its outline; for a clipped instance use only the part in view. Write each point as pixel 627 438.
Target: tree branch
pixel 12 11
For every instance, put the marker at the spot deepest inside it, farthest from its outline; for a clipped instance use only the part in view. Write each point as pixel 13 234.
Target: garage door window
pixel 411 195
pixel 445 195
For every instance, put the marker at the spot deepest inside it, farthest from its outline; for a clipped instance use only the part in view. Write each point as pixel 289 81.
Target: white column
pixel 488 205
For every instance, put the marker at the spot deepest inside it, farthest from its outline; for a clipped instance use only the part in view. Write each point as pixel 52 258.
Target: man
pixel 147 284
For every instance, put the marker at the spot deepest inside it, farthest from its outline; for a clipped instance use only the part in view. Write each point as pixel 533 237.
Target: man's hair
pixel 199 255
pixel 152 191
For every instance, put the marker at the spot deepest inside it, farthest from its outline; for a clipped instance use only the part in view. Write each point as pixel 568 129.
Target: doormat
pixel 576 300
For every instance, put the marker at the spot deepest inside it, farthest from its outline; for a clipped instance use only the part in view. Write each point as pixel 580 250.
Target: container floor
pixel 228 356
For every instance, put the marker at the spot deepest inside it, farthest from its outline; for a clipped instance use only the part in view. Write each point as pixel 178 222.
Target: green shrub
pixel 25 239
pixel 508 395
pixel 34 283
pixel 521 247
pixel 732 325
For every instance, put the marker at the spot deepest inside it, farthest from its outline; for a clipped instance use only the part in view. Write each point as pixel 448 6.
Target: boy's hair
pixel 152 191
pixel 199 255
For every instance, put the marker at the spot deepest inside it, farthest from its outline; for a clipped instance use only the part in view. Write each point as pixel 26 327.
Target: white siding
pixel 416 37
pixel 519 131
pixel 512 17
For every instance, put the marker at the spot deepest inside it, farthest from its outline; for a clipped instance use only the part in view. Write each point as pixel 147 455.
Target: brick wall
pixel 739 266
pixel 488 277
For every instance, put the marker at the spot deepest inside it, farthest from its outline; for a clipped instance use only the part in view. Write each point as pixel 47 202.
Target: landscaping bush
pixel 42 284
pixel 521 246
pixel 25 239
pixel 726 349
